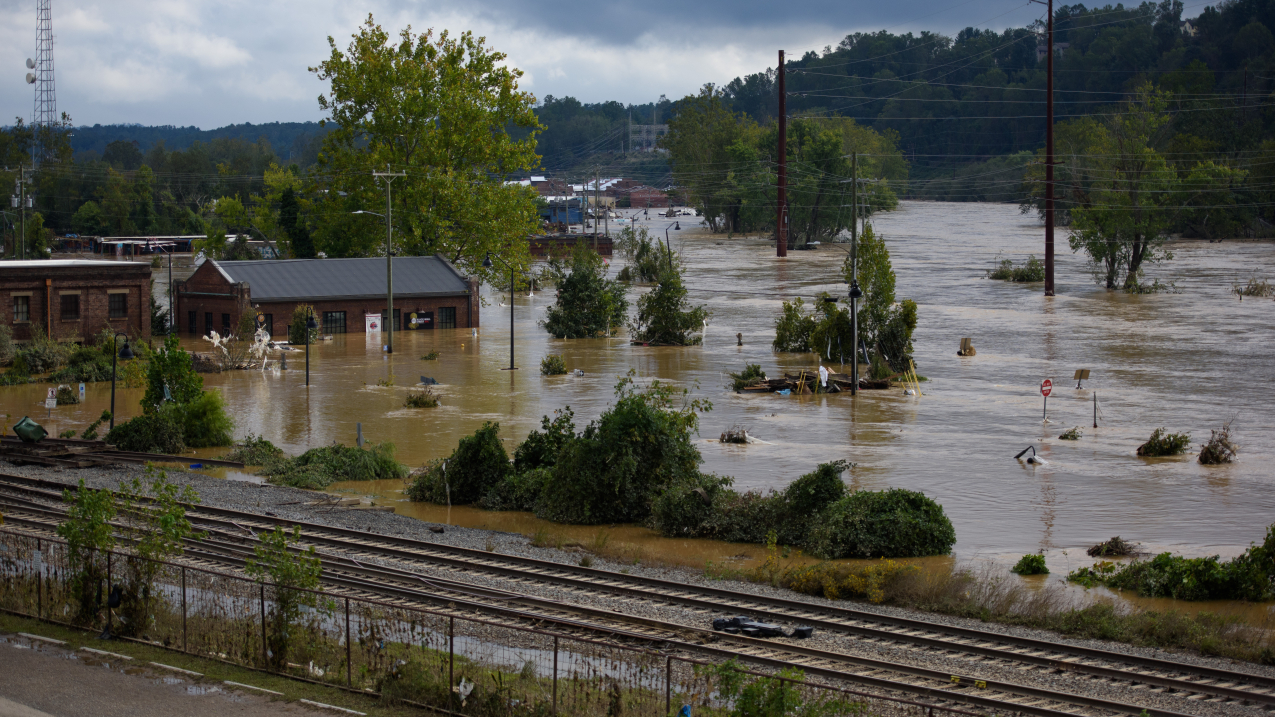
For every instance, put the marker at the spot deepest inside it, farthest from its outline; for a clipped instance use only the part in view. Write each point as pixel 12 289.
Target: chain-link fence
pixel 436 658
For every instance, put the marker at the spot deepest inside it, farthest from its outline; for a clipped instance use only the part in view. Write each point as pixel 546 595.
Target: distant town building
pixel 643 197
pixel 428 289
pixel 1188 28
pixel 74 299
pixel 1059 48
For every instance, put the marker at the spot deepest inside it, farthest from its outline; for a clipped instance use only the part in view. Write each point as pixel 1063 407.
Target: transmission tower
pixel 46 100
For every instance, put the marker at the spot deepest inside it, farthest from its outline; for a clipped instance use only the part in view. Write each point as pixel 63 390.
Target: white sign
pixel 1046 387
pixel 51 400
pixel 81 392
pixel 372 323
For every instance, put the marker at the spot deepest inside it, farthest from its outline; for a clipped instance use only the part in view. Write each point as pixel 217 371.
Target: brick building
pixel 76 299
pixel 342 292
pixel 643 197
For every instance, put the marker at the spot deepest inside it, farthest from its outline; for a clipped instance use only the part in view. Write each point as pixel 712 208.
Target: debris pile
pixel 752 628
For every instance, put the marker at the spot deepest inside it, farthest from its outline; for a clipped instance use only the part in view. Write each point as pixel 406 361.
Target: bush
pixel 1031 271
pixel 1220 449
pixel 1030 565
pixel 43 354
pixel 296 328
pixel 478 464
pixel 171 367
pixel 156 432
pixel 588 304
pixel 665 317
pixel 254 451
pixel 541 448
pixel 425 398
pixel 67 396
pixel 89 535
pixel 1071 434
pixel 895 523
pixel 518 491
pixel 90 433
pixel 645 255
pixel 838 581
pixel 750 376
pixel 293 573
pixel 319 468
pixel 1162 443
pixel 6 345
pixel 86 364
pixel 204 421
pixel 793 328
pixel 553 365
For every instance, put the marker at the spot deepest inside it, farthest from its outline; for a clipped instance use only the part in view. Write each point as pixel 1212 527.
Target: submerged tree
pixel 665 316
pixel 884 324
pixel 589 304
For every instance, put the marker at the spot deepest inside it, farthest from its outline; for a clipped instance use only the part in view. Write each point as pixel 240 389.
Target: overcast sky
pixel 210 63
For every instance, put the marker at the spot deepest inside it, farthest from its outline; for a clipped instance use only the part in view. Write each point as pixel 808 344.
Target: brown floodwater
pixel 1187 361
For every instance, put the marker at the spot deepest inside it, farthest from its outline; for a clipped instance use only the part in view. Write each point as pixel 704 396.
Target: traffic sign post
pixel 1046 388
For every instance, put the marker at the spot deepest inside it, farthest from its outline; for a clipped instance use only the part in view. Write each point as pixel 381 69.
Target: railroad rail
pixel 352 571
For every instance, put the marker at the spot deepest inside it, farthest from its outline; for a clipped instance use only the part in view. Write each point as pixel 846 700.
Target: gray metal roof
pixel 317 279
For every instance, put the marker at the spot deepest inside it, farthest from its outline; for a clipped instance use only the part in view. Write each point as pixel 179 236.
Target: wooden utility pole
pixel 854 274
pixel 1049 156
pixel 781 219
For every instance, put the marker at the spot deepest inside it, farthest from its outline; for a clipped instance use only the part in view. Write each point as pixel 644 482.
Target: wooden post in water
pixel 781 219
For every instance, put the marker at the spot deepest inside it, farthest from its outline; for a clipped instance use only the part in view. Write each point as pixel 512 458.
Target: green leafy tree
pixel 171 367
pixel 439 108
pixel 589 304
pixel 292 574
pixel 154 521
pixel 883 323
pixel 665 316
pixel 89 536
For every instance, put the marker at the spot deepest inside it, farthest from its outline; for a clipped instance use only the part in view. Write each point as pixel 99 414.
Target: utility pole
pixel 854 274
pixel 781 220
pixel 1049 156
pixel 22 202
pixel 389 257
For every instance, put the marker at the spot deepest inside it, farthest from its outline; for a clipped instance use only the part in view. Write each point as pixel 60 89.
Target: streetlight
pixel 676 227
pixel 124 353
pixel 855 294
pixel 487 265
pixel 389 280
pixel 310 325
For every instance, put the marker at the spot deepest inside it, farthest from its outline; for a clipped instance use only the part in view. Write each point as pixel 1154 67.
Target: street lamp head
pixel 677 226
pixel 126 352
pixel 855 291
pixel 487 261
pixel 311 324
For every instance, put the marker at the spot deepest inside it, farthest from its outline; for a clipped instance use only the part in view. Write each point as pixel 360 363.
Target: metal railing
pixel 415 655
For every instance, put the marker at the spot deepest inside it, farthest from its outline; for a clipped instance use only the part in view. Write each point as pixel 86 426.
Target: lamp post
pixel 855 294
pixel 677 226
pixel 124 353
pixel 310 325
pixel 487 265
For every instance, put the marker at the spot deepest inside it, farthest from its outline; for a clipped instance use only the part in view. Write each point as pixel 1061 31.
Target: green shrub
pixel 793 328
pixel 553 365
pixel 90 433
pixel 156 432
pixel 1031 271
pixel 293 575
pixel 1030 565
pixel 612 471
pixel 517 491
pixel 646 257
pixel 1163 443
pixel 588 304
pixel 173 368
pixel 1220 448
pixel 86 364
pixel 425 398
pixel 254 451
pixel 296 328
pixel 751 375
pixel 204 421
pixel 6 345
pixel 478 464
pixel 541 448
pixel 665 317
pixel 431 356
pixel 89 536
pixel 319 468
pixel 1071 434
pixel 43 354
pixel 894 523
pixel 67 396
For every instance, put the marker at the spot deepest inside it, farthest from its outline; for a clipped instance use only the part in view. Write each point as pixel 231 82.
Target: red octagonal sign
pixel 1046 387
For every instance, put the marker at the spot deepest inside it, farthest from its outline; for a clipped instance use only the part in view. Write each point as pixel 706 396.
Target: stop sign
pixel 1046 387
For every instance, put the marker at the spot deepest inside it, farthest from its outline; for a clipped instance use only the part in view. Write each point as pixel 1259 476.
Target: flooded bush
pixel 86 364
pixel 67 396
pixel 589 304
pixel 645 255
pixel 553 365
pixel 793 328
pixel 1071 434
pixel 541 448
pixel 752 375
pixel 204 421
pixel 156 432
pixel 431 356
pixel 296 327
pixel 1251 576
pixel 1220 448
pixel 254 451
pixel 1030 565
pixel 1032 270
pixel 425 398
pixel 1116 547
pixel 665 317
pixel 319 468
pixel 1163 443
pixel 839 581
pixel 90 432
pixel 478 463
pixel 43 354
pixel 518 491
pixel 1254 287
pixel 894 523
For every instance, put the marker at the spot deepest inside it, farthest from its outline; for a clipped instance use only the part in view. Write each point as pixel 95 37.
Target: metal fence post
pixel 555 674
pixel 668 685
pixel 349 652
pixel 39 583
pixel 184 646
pixel 265 656
pixel 451 658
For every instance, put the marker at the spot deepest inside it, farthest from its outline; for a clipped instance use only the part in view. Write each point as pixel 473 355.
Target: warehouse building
pixel 428 291
pixel 74 299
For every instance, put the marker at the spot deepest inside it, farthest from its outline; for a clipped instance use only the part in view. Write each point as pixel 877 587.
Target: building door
pixel 208 323
pixel 192 322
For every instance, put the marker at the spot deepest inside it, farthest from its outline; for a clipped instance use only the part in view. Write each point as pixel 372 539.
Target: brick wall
pixel 92 284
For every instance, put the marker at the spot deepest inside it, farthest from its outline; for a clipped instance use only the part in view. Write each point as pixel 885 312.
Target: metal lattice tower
pixel 46 100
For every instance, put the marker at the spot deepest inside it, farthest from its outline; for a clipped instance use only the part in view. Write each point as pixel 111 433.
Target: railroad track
pixel 1187 681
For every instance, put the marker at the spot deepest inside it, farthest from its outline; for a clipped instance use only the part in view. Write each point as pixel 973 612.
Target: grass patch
pixel 319 468
pixel 1163 443
pixel 1254 287
pixel 214 671
pixel 1030 565
pixel 1032 270
pixel 425 398
pixel 431 356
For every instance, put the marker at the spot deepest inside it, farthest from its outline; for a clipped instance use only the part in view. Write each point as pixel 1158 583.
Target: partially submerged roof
pixel 327 279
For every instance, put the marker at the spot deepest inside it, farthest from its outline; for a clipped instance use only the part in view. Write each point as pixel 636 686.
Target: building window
pixel 208 324
pixel 225 324
pixel 334 322
pixel 21 308
pixel 119 306
pixel 268 324
pixel 398 315
pixel 192 322
pixel 70 307
pixel 447 317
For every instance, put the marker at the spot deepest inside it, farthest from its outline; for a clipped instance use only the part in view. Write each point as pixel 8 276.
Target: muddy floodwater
pixel 1187 361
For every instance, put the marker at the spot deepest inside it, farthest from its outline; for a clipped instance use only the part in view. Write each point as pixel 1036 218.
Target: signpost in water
pixel 1046 387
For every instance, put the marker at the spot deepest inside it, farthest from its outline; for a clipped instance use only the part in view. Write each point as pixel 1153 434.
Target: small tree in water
pixel 291 576
pixel 589 304
pixel 88 536
pixel 665 316
pixel 883 324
